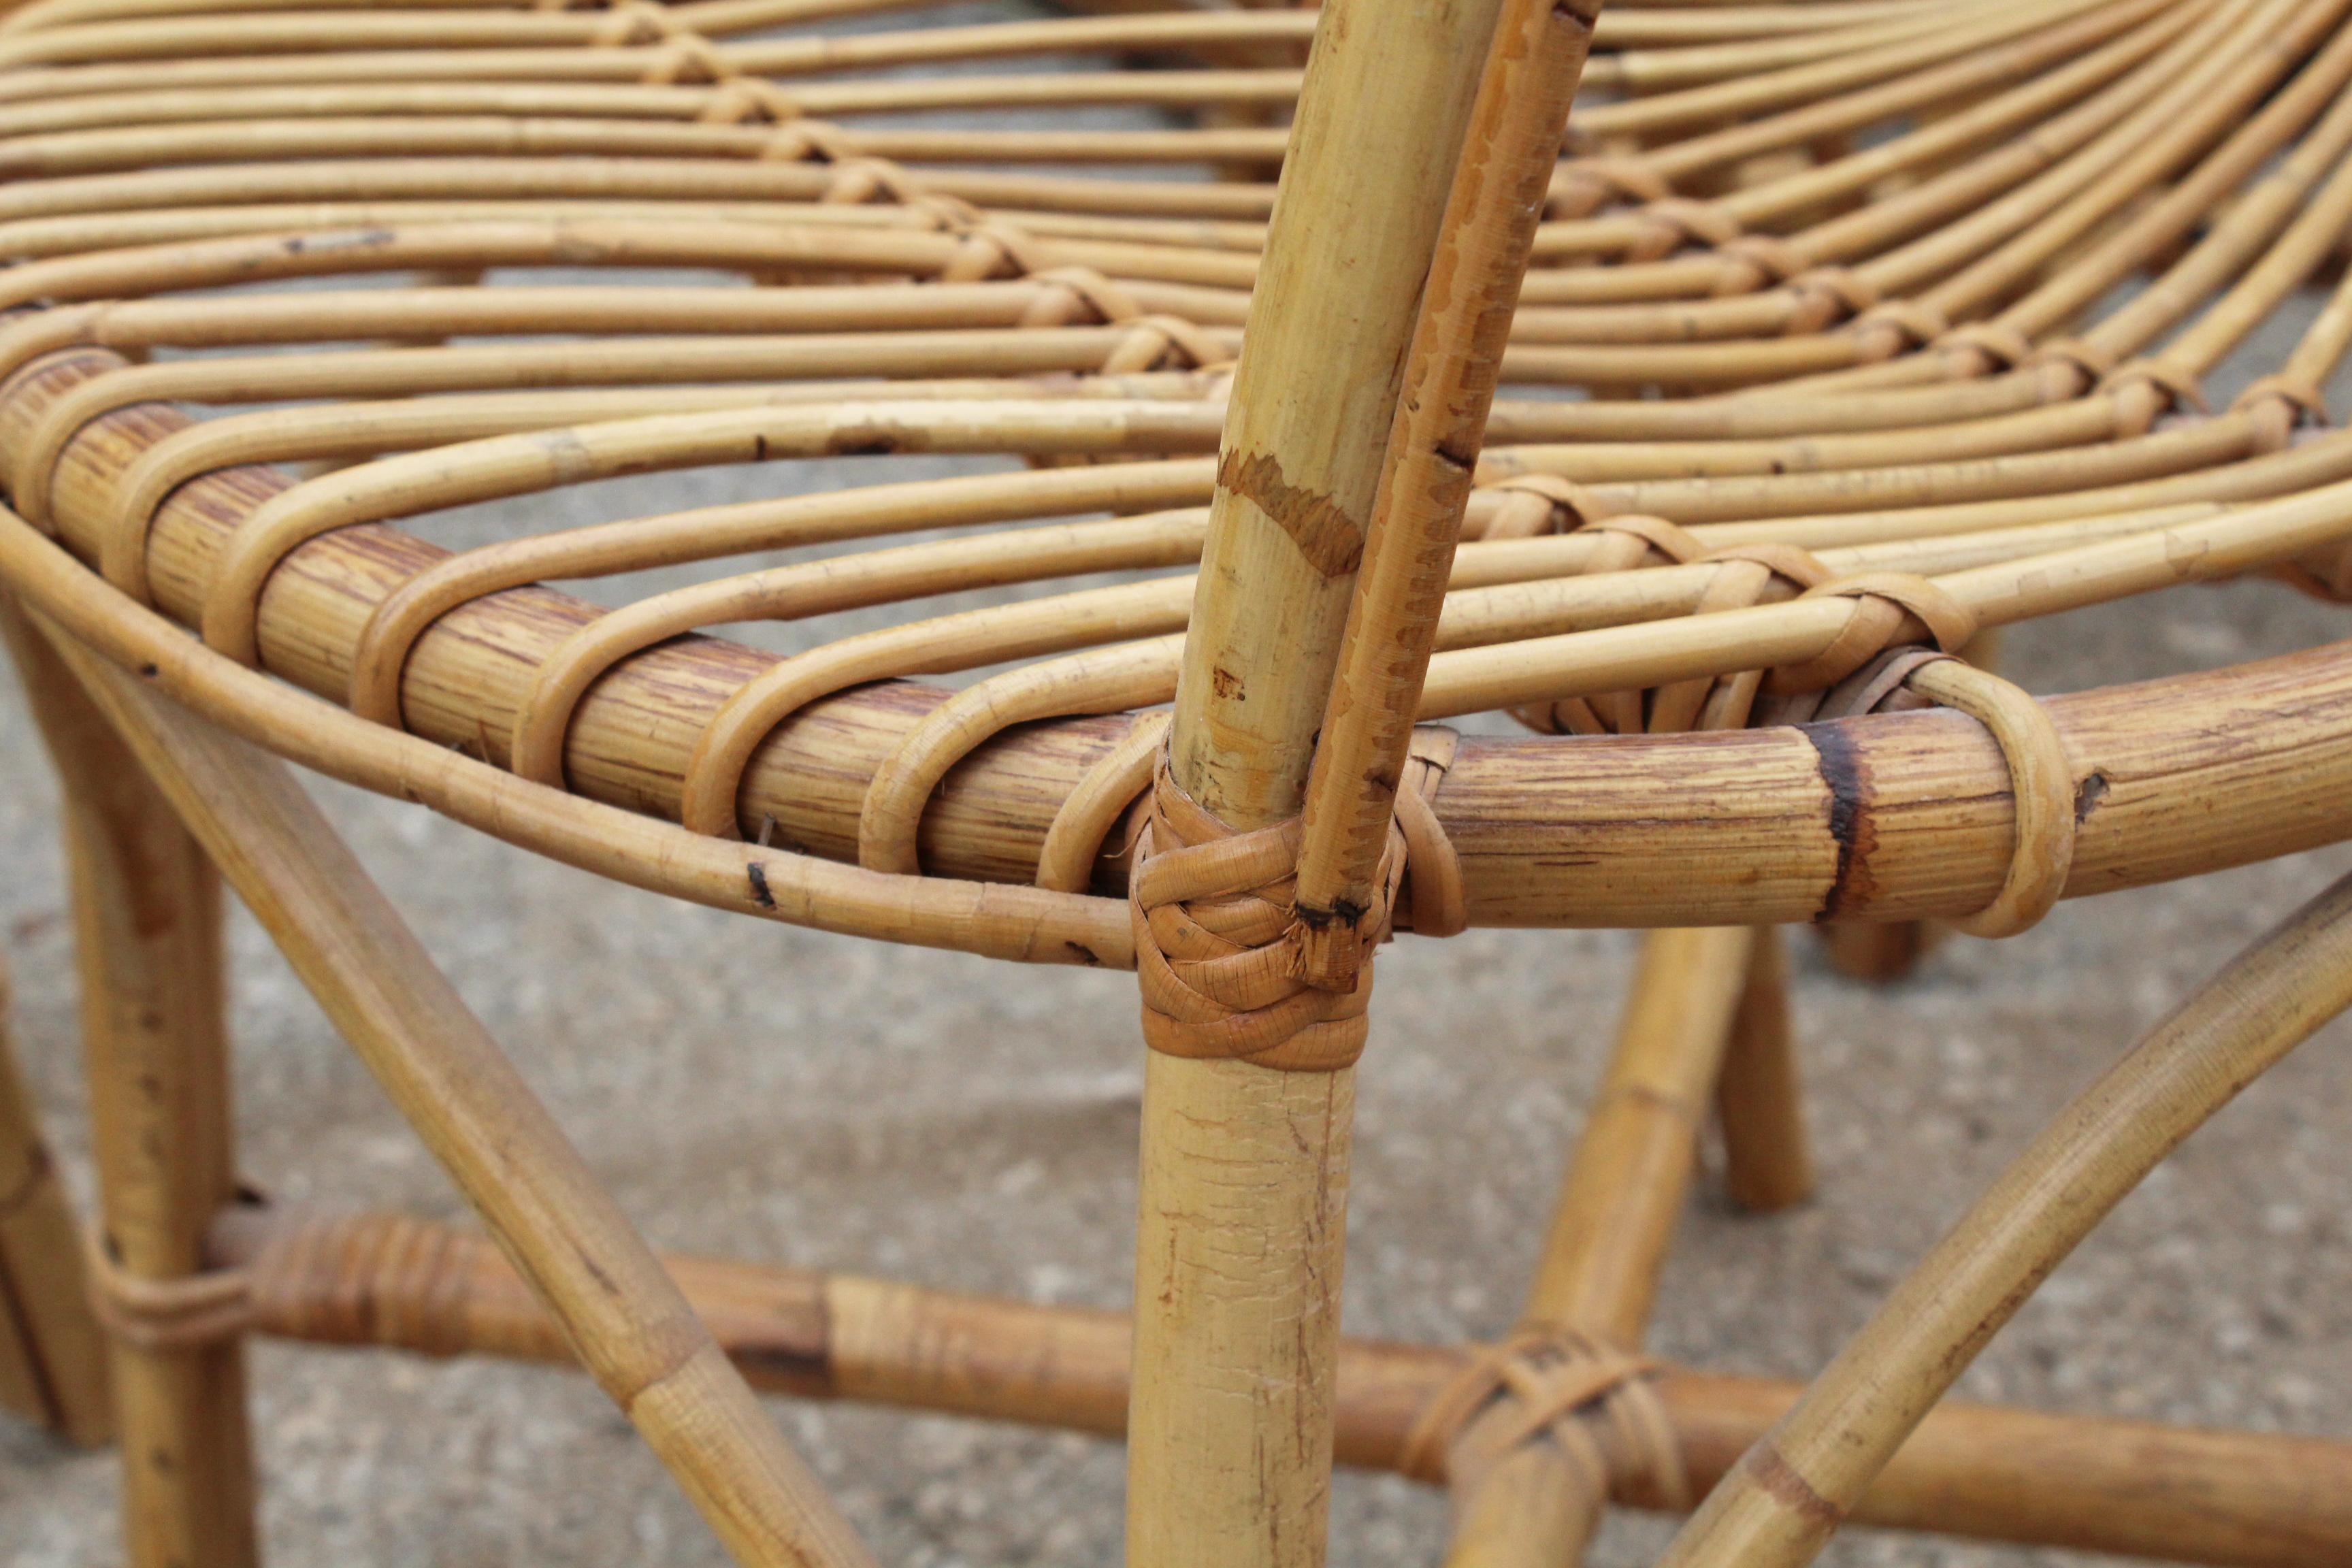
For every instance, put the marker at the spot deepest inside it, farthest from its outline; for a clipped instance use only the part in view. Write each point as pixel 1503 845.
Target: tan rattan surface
pixel 1926 290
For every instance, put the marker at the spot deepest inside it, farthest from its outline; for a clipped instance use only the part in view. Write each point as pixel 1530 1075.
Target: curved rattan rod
pixel 890 250
pixel 633 1330
pixel 1645 500
pixel 1638 790
pixel 476 43
pixel 1759 36
pixel 1779 1506
pixel 1512 882
pixel 1794 307
pixel 1020 923
pixel 1651 28
pixel 681 102
pixel 41 239
pixel 495 466
pixel 2039 76
pixel 1108 679
pixel 1622 476
pixel 663 179
pixel 354 135
pixel 393 135
pixel 409 95
pixel 2305 229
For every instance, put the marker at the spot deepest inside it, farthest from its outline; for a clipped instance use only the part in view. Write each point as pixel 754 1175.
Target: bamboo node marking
pixel 2049 802
pixel 1331 540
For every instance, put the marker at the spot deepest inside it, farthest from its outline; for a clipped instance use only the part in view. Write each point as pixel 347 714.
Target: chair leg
pixel 1243 1206
pixel 1531 1496
pixel 147 931
pixel 52 1354
pixel 1881 952
pixel 624 1316
pixel 1767 1159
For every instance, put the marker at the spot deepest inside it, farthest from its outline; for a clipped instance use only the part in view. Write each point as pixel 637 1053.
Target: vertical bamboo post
pixel 1536 1505
pixel 1768 1159
pixel 1780 1505
pixel 1245 1169
pixel 1509 157
pixel 1632 1167
pixel 52 1354
pixel 627 1319
pixel 147 932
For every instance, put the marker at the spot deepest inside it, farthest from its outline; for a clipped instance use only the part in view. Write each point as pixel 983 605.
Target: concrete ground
pixel 754 1091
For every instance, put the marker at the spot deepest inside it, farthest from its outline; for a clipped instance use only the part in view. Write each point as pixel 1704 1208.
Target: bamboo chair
pixel 1840 290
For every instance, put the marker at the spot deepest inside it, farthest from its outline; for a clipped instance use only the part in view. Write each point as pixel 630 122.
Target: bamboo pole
pixel 1465 310
pixel 147 938
pixel 1627 1184
pixel 624 1317
pixel 1768 1161
pixel 53 1356
pixel 1793 1486
pixel 2245 1499
pixel 1534 1504
pixel 1242 1212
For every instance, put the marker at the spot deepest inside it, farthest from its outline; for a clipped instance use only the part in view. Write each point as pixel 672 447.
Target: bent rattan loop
pixel 1433 897
pixel 2095 364
pixel 1670 224
pixel 178 1314
pixel 1162 342
pixel 1551 504
pixel 1706 702
pixel 1074 291
pixel 1584 185
pixel 2174 387
pixel 749 99
pixel 1754 261
pixel 2001 346
pixel 1104 797
pixel 1892 327
pixel 1542 1379
pixel 2041 784
pixel 2280 406
pixel 1826 294
pixel 1882 602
